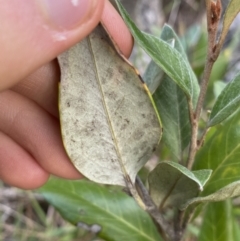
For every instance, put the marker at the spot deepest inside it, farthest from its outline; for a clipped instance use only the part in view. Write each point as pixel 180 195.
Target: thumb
pixel 35 32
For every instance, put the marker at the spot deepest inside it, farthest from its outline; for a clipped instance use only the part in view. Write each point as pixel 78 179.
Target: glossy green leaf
pixel 108 121
pixel 170 101
pixel 221 153
pixel 229 191
pixel 169 59
pixel 236 230
pixel 217 223
pixel 171 184
pixel 117 214
pixel 231 12
pixel 227 102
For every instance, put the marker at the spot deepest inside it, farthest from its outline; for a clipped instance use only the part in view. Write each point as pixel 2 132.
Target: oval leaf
pixel 221 153
pixel 109 125
pixel 171 184
pixel 163 54
pixel 117 214
pixel 227 102
pixel 171 101
pixel 172 105
pixel 154 74
pixel 229 191
pixel 231 12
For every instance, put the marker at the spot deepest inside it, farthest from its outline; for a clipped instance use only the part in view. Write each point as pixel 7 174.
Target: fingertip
pixel 34 180
pixel 121 34
pixel 36 132
pixel 17 167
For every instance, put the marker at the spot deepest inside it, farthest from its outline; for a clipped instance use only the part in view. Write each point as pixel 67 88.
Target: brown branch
pixel 202 139
pixel 213 50
pixel 153 211
pixel 193 143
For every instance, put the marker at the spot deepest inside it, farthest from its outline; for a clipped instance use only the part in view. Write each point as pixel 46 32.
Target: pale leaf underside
pixel 108 123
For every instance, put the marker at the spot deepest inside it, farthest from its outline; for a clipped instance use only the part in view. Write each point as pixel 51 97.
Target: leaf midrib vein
pixel 116 146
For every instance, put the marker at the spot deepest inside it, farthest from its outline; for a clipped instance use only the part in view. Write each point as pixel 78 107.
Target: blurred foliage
pixel 26 216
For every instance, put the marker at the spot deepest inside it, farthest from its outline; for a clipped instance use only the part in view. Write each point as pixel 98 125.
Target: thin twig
pixel 213 50
pixel 152 209
pixel 193 143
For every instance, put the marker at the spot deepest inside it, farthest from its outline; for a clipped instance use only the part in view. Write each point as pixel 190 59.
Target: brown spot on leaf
pixel 138 134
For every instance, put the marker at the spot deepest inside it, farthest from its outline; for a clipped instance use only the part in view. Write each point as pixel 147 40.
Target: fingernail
pixel 65 14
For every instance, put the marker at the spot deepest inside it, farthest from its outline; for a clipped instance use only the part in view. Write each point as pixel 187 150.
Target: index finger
pixel 115 25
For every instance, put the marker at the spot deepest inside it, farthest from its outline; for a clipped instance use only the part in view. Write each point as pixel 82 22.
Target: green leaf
pixel 171 184
pixel 169 34
pixel 217 223
pixel 231 12
pixel 153 76
pixel 118 215
pixel 218 72
pixel 203 175
pixel 170 101
pixel 221 153
pixel 236 230
pixel 172 105
pixel 169 59
pixel 154 73
pixel 191 37
pixel 227 103
pixel 108 121
pixel 218 87
pixel 197 54
pixel 229 191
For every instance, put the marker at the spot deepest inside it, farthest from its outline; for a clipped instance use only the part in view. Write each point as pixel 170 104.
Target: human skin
pixel 31 148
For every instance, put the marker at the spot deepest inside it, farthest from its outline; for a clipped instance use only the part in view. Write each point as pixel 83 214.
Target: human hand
pixel 31 37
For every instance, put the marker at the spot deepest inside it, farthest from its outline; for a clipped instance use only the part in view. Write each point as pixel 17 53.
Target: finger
pixel 37 132
pixel 17 167
pixel 117 28
pixel 42 87
pixel 35 32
